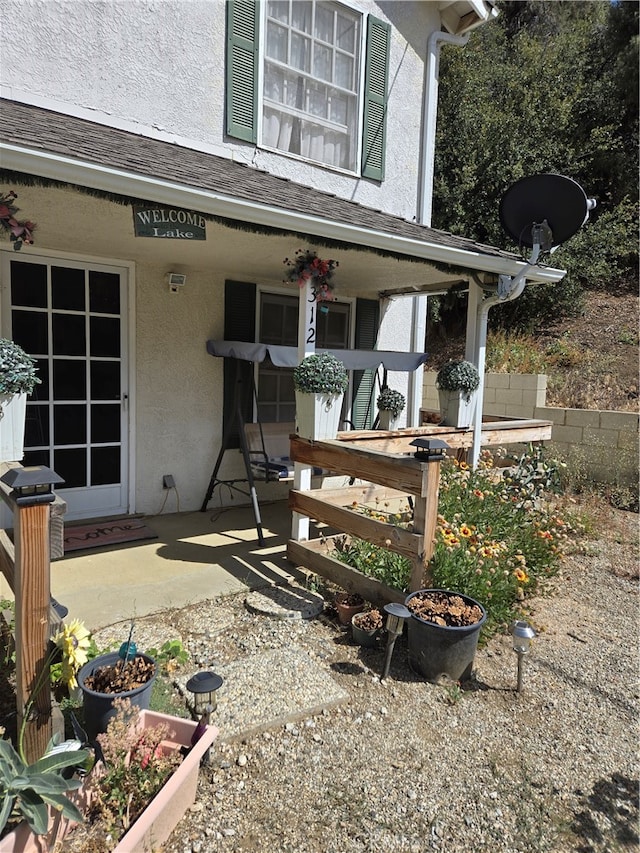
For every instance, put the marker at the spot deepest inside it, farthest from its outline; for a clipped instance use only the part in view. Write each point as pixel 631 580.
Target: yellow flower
pixel 521 576
pixel 73 640
pixel 465 530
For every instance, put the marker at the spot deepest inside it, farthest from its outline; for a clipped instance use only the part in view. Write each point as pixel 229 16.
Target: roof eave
pixel 119 182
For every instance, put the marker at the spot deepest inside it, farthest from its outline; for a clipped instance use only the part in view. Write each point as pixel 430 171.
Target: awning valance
pixel 353 359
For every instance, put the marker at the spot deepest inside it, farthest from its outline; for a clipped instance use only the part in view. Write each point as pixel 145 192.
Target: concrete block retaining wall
pixel 603 443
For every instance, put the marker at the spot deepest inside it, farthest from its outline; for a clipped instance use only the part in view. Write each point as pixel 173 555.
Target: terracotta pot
pixel 161 816
pixel 347 605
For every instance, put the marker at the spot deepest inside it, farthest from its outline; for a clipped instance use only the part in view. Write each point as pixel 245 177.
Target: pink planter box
pixel 158 820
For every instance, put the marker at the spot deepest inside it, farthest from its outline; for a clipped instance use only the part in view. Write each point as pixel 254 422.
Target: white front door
pixel 72 317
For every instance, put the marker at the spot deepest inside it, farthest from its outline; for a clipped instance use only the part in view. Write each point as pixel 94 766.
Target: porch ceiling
pixel 259 219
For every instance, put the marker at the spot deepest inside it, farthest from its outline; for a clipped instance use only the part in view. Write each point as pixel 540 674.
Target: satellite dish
pixel 555 203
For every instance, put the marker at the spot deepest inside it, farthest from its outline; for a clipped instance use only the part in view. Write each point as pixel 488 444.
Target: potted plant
pixel 443 633
pixel 366 627
pixel 31 793
pixel 319 381
pixel 457 382
pixel 126 674
pixel 17 379
pixel 390 405
pixel 143 781
pixel 347 605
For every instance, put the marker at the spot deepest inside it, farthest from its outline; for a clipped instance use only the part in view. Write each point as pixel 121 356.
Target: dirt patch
pixel 596 354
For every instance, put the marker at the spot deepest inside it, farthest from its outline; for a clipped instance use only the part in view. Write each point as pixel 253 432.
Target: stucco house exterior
pixel 209 141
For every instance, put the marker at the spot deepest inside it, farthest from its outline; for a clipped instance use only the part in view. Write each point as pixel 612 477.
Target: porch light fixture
pixel 204 685
pixel 522 633
pixel 31 485
pixel 396 615
pixel 429 449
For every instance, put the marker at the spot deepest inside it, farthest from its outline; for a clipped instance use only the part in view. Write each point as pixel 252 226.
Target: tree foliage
pixel 546 87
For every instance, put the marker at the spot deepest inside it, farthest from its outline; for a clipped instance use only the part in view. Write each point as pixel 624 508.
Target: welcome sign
pixel 170 223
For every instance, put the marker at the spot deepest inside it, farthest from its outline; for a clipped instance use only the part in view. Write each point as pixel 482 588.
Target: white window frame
pixel 356 139
pixel 271 291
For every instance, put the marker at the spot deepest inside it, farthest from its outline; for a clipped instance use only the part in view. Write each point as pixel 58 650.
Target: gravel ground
pixel 405 765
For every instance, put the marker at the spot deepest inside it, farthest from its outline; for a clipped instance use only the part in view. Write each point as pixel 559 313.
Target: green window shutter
pixel 363 411
pixel 239 325
pixel 242 69
pixel 375 105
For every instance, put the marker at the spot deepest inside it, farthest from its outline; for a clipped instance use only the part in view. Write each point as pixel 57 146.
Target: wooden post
pixel 425 521
pixel 32 594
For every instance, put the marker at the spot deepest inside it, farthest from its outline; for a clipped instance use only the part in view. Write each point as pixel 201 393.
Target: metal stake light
pixel 522 633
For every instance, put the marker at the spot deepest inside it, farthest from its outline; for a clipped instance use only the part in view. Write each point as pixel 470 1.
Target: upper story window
pixel 315 101
pixel 311 81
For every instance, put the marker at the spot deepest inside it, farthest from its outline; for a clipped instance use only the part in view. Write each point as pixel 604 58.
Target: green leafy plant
pixel 17 369
pixel 27 789
pixel 458 376
pixel 389 568
pixel 391 401
pixel 170 655
pixel 320 373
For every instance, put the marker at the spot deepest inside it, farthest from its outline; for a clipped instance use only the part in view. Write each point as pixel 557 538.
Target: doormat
pixel 105 533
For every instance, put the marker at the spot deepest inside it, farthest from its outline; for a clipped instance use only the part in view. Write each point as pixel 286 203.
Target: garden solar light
pixel 396 614
pixel 203 685
pixel 522 634
pixel 31 485
pixel 429 449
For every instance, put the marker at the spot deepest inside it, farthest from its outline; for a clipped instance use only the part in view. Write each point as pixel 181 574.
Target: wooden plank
pixel 493 433
pixel 403 473
pixel 365 493
pixel 32 592
pixel 379 533
pixel 312 557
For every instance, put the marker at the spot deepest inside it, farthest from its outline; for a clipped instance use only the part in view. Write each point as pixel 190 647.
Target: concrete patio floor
pixel 197 556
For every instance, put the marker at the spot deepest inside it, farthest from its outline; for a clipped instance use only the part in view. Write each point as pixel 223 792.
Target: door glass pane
pixel 71 465
pixel 105 423
pixel 69 425
pixel 105 380
pixel 28 284
pixel 105 465
pixel 67 289
pixel 69 380
pixel 105 337
pixel 37 457
pixel 30 331
pixel 68 334
pixel 36 428
pixel 41 390
pixel 104 292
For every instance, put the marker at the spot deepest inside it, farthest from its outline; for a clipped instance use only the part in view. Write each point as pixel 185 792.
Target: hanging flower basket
pixel 307 266
pixel 20 230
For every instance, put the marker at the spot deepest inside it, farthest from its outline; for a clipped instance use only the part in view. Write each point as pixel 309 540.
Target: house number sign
pixel 171 223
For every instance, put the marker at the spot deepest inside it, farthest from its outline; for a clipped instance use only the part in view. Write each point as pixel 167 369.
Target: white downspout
pixel 425 203
pixel 512 289
pixel 430 112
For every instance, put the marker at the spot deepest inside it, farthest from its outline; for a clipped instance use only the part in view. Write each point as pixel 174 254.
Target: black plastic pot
pixel 98 707
pixel 439 650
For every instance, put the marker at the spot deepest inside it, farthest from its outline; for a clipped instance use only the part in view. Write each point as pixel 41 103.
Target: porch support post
pixel 306 346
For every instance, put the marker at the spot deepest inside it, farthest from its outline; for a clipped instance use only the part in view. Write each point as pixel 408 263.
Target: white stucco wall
pixel 157 67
